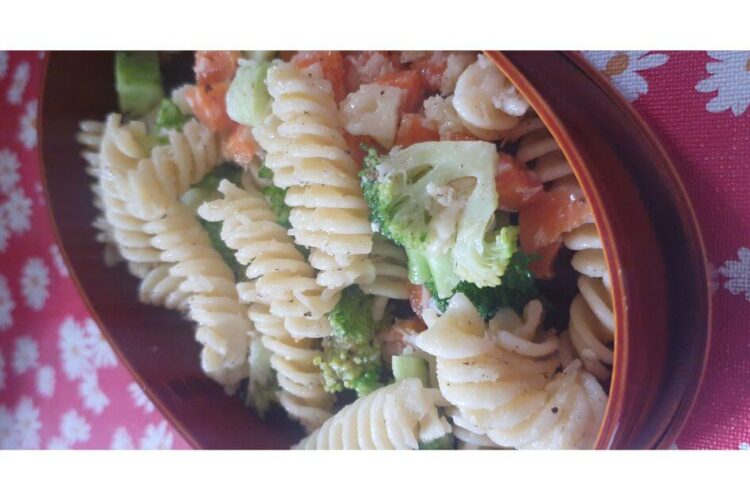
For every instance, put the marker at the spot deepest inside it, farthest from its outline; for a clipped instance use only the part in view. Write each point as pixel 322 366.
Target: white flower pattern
pixel 45 381
pixel 74 349
pixel 139 398
pixel 35 283
pixel 93 397
pixel 17 211
pixel 737 273
pixel 623 66
pixel 156 437
pixel 57 260
pixel 74 428
pixel 8 435
pixel 101 352
pixel 6 304
pixel 27 423
pixel 9 166
pixel 121 440
pixel 4 233
pixel 25 355
pixel 17 86
pixel 730 79
pixel 27 126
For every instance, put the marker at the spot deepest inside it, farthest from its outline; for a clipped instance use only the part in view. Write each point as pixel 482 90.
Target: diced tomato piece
pixel 517 186
pixel 332 64
pixel 208 103
pixel 399 336
pixel 365 66
pixel 215 66
pixel 415 128
pixel 418 295
pixel 239 146
pixel 552 215
pixel 355 143
pixel 411 82
pixel 432 69
pixel 543 267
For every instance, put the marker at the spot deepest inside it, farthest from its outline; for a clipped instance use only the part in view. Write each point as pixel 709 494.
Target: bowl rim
pixel 164 409
pixel 571 151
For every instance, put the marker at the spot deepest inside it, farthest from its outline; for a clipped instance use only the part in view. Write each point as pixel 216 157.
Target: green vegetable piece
pixel 248 100
pixel 351 356
pixel 275 197
pixel 445 442
pixel 207 190
pixel 401 191
pixel 258 55
pixel 517 289
pixel 410 367
pixel 169 116
pixel 138 82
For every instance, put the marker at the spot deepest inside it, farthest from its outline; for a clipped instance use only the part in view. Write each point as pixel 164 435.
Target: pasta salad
pixel 373 241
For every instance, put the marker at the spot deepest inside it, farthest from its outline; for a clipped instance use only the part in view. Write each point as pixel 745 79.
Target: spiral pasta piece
pixel 592 325
pixel 120 152
pixel 502 379
pixel 90 138
pixel 540 151
pixel 391 275
pixel 287 305
pixel 157 181
pixel 396 416
pixel 213 303
pixel 309 156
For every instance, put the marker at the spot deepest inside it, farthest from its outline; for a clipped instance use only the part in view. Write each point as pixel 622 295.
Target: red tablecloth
pixel 62 387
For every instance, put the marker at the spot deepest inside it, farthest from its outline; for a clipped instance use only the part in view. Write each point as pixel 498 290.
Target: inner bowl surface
pixel 652 246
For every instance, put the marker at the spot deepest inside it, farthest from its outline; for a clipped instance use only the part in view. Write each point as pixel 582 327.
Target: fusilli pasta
pixel 397 416
pixel 287 306
pixel 502 383
pixel 592 325
pixel 213 304
pixel 391 275
pixel 309 156
pixel 120 152
pixel 157 181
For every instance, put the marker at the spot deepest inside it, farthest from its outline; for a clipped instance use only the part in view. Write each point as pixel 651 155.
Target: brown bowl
pixel 651 239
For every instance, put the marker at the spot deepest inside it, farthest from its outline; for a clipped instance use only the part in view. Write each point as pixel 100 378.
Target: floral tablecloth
pixel 61 386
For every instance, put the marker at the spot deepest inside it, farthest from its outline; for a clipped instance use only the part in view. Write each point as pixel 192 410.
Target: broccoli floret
pixel 517 289
pixel 445 442
pixel 438 200
pixel 169 116
pixel 351 356
pixel 206 190
pixel 275 197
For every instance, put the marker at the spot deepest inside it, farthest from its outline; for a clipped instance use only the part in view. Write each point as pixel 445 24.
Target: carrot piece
pixel 208 103
pixel 355 143
pixel 332 64
pixel 415 128
pixel 517 186
pixel 543 267
pixel 239 146
pixel 552 215
pixel 215 66
pixel 411 82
